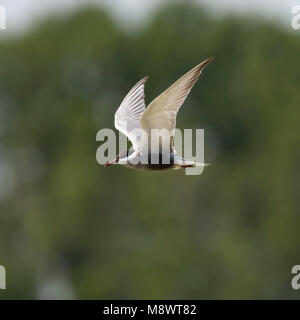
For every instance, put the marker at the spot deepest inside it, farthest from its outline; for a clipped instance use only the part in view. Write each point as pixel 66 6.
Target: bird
pixel 132 116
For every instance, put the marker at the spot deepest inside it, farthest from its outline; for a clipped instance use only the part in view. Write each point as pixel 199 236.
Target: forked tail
pixel 194 164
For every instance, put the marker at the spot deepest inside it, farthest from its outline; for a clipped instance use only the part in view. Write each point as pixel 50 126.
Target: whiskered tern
pixel 132 116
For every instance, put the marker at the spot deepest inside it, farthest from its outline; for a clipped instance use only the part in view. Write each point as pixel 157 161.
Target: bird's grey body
pixel 160 161
pixel 154 162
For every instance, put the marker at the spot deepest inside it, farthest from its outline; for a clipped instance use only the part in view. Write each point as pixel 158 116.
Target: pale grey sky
pixel 23 13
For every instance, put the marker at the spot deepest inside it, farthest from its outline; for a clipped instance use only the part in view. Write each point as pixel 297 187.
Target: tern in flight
pixel 132 116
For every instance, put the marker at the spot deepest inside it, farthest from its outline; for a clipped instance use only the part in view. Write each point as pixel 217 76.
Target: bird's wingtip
pixel 207 61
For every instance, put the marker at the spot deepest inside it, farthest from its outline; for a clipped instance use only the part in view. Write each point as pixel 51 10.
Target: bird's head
pixel 121 158
pixel 114 161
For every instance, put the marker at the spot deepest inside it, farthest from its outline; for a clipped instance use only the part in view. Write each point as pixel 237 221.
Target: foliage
pixel 118 233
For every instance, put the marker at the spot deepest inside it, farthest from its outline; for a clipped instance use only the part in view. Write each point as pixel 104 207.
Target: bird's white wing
pixel 129 112
pixel 162 111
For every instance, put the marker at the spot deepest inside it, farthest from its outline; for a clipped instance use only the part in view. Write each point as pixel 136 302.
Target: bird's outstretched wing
pixel 127 117
pixel 162 111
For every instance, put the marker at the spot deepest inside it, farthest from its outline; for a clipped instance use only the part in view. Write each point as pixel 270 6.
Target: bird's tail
pixel 194 164
pixel 199 164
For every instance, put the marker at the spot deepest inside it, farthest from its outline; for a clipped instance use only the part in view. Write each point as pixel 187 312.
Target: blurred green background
pixel 70 228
